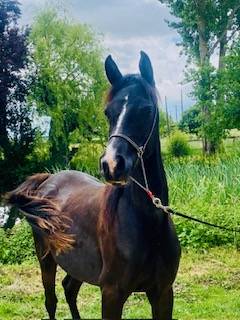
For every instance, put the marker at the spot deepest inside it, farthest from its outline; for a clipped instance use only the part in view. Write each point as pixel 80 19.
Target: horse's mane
pixel 110 200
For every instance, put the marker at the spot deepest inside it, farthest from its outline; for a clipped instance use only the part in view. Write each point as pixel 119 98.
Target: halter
pixel 155 200
pixel 140 151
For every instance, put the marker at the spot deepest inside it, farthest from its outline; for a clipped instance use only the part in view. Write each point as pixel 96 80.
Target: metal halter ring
pixel 140 151
pixel 157 202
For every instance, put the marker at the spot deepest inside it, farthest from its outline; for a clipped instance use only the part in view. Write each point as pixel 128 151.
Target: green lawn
pixel 207 287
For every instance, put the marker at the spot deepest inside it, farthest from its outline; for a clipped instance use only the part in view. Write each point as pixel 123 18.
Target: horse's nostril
pixel 120 163
pixel 114 169
pixel 105 167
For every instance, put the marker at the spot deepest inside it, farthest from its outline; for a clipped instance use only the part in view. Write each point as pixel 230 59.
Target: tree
pixel 16 133
pixel 69 81
pixel 166 123
pixel 229 86
pixel 204 26
pixel 190 121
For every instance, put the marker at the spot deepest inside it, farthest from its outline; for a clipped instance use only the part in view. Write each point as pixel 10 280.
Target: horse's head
pixel 131 112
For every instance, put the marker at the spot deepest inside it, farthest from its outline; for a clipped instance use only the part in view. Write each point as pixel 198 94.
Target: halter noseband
pixel 140 151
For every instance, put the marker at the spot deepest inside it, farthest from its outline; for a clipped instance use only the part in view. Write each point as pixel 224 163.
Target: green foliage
pixel 16 244
pixel 162 122
pixel 166 124
pixel 18 169
pixel 205 89
pixel 206 188
pixel 229 89
pixel 203 27
pixel 190 121
pixel 16 132
pixel 177 145
pixel 87 158
pixel 69 82
pixel 202 24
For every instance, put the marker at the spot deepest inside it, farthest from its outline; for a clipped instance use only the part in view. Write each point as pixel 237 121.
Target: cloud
pixel 130 26
pixel 123 18
pixel 167 65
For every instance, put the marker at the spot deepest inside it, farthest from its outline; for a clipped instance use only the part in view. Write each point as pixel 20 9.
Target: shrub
pixel 16 244
pixel 87 157
pixel 178 145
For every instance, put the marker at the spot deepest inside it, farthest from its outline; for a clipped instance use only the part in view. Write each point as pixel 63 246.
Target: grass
pixel 208 284
pixel 207 287
pixel 207 189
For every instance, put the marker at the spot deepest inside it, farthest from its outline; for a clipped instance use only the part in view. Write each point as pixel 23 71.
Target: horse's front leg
pixel 161 303
pixel 113 300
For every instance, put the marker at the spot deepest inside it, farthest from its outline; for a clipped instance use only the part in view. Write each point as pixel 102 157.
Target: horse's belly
pixel 83 262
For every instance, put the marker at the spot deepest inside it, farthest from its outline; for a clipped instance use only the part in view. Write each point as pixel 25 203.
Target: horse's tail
pixel 42 213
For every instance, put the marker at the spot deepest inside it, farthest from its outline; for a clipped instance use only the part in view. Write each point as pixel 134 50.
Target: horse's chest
pixel 141 266
pixel 138 241
pixel 139 252
pixel 145 254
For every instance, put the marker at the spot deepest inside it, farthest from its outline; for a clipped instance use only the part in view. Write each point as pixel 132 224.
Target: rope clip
pixel 157 202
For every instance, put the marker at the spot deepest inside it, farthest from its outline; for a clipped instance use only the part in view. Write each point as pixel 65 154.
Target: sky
pixel 128 26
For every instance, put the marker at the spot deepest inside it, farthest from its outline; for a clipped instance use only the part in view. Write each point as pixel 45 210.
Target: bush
pixel 87 157
pixel 16 244
pixel 178 145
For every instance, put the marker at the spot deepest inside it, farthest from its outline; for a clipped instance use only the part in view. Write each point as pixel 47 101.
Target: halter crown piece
pixel 140 151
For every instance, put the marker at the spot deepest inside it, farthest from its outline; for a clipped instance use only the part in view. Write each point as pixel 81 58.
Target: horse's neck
pixel 155 176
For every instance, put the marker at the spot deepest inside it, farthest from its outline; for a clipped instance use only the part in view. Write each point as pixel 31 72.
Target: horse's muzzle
pixel 115 170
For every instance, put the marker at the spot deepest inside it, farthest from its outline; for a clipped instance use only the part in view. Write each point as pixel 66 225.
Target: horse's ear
pixel 112 71
pixel 146 69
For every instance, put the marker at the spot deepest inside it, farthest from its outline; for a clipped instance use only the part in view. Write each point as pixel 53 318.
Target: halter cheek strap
pixel 140 151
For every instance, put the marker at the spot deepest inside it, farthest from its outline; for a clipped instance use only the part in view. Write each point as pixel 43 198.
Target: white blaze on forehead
pixel 110 155
pixel 121 116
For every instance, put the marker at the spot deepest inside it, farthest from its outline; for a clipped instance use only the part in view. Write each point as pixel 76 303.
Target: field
pixel 207 287
pixel 208 283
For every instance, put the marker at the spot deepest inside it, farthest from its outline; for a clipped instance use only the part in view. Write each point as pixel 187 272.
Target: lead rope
pixel 155 200
pixel 158 203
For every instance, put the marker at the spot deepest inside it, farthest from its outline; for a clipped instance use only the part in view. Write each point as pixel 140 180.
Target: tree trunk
pixel 209 147
pixel 204 56
pixel 222 52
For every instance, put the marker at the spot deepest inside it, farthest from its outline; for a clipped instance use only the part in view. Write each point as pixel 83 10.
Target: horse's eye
pixel 146 109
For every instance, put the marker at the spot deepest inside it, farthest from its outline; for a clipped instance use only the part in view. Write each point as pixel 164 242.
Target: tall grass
pixel 207 188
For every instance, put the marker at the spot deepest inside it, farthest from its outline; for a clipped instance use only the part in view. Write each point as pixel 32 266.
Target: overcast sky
pixel 129 26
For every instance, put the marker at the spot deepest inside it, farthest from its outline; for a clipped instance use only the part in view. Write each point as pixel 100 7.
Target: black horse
pixel 116 236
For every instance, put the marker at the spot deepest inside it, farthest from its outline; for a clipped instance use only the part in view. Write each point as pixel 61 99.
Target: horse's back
pixel 69 182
